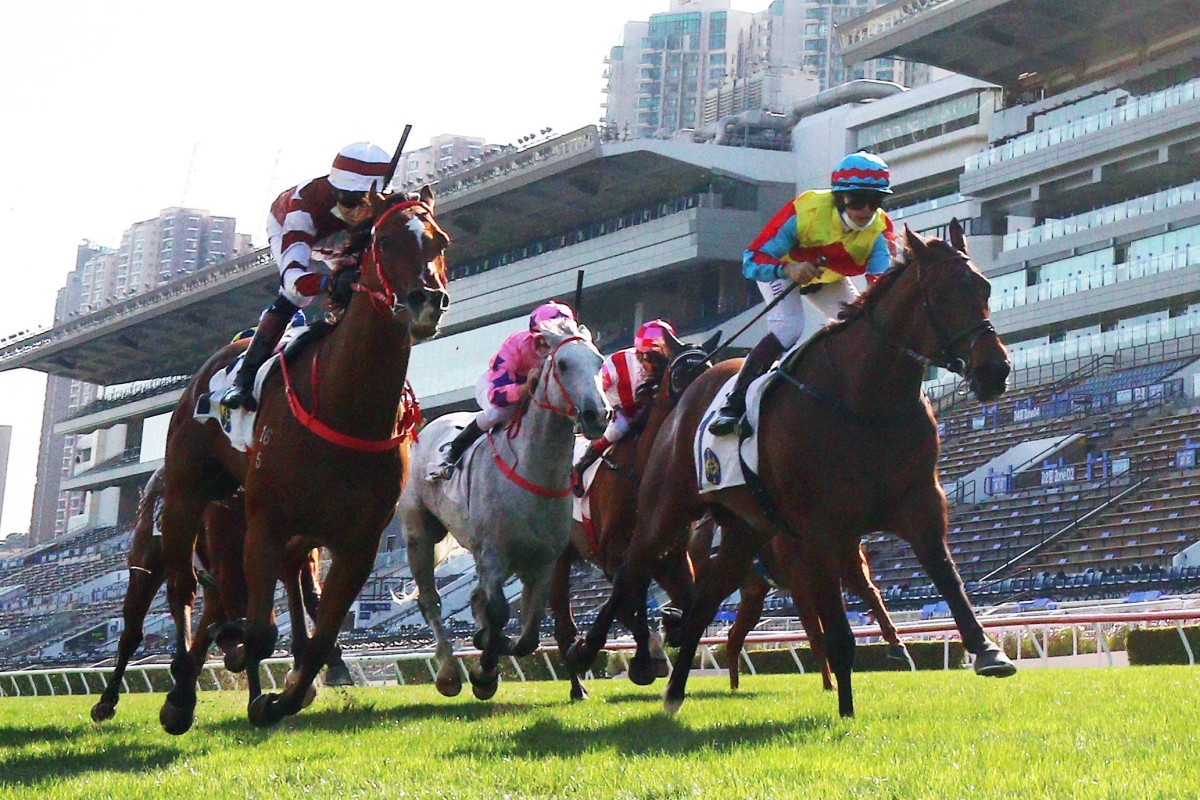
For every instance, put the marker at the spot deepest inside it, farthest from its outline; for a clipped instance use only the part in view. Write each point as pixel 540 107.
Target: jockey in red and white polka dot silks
pixel 627 378
pixel 501 388
pixel 816 241
pixel 310 221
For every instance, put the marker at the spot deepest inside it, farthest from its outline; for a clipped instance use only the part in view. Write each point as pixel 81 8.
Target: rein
pixel 514 428
pixel 384 300
pixel 406 427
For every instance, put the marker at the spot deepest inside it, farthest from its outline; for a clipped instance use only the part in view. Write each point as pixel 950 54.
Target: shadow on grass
pixel 645 736
pixel 649 694
pixel 56 765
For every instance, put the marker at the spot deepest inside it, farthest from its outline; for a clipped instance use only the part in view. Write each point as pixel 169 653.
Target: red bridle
pixel 384 300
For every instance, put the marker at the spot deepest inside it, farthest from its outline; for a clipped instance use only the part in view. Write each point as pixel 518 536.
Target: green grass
pixel 1117 733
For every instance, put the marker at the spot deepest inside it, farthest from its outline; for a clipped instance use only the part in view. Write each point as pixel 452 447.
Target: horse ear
pixel 957 239
pixel 916 244
pixel 673 343
pixel 426 196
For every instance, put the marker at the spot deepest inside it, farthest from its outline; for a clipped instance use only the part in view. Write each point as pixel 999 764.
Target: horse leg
pixel 182 516
pixel 336 671
pixel 582 654
pixel 347 574
pixel 857 578
pixel 796 571
pixel 724 574
pixel 423 532
pixel 491 615
pixel 839 639
pixel 676 576
pixel 749 612
pixel 263 555
pixel 926 532
pixel 534 595
pixel 144 582
pixel 565 630
pixel 293 584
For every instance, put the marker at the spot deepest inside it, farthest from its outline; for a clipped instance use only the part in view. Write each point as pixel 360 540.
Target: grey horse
pixel 509 505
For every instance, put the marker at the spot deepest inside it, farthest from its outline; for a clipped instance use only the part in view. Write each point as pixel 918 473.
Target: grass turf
pixel 1119 733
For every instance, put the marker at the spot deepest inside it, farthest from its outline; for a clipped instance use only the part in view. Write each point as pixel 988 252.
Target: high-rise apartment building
pixel 445 152
pixel 702 60
pixel 152 252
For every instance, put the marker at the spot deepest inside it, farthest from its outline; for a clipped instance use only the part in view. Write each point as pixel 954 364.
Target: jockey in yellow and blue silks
pixel 816 241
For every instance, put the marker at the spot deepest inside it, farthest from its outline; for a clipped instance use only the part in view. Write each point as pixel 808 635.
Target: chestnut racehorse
pixel 224 600
pixel 326 463
pixel 785 568
pixel 612 499
pixel 848 445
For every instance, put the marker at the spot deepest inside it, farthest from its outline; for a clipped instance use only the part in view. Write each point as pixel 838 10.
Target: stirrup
pixel 243 399
pixel 442 471
pixel 725 423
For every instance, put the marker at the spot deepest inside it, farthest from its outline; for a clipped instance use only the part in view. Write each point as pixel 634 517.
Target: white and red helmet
pixel 548 311
pixel 360 167
pixel 651 337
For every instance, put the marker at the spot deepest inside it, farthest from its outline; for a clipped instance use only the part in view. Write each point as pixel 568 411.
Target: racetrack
pixel 1113 733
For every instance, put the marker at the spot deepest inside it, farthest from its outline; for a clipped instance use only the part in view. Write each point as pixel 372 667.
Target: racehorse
pixel 224 595
pixel 848 445
pixel 784 567
pixel 326 464
pixel 512 510
pixel 612 498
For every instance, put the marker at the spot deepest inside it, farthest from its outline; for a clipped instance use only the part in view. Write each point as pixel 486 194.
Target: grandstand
pixel 1076 174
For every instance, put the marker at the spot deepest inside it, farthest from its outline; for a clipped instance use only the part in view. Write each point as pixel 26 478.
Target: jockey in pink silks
pixel 511 375
pixel 629 379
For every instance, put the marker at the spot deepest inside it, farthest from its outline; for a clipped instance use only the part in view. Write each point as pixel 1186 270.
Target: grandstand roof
pixel 1022 44
pixel 551 187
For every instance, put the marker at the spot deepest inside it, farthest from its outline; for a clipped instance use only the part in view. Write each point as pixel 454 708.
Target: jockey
pixel 629 378
pixel 815 241
pixel 310 221
pixel 511 375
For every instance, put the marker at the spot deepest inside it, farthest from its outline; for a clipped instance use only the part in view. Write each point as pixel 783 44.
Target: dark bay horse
pixel 783 563
pixel 223 534
pixel 326 464
pixel 612 498
pixel 848 445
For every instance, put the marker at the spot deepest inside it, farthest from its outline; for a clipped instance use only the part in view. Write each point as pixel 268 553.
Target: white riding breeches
pixel 786 320
pixel 491 415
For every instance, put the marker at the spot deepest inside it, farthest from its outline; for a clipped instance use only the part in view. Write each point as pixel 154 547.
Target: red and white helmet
pixel 360 167
pixel 548 311
pixel 652 336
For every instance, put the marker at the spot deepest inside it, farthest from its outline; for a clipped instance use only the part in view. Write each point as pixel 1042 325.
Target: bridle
pixel 569 409
pixel 385 299
pixel 944 356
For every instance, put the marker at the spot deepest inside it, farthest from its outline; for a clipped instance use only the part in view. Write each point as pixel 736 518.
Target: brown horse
pixel 848 445
pixel 784 567
pixel 326 464
pixel 613 503
pixel 224 594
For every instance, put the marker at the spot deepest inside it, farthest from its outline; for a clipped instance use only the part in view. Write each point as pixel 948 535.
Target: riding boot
pixel 453 452
pixel 588 458
pixel 271 326
pixel 757 362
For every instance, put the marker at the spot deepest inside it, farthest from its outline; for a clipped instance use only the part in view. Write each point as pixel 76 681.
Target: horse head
pixel 687 362
pixel 570 379
pixel 954 294
pixel 405 271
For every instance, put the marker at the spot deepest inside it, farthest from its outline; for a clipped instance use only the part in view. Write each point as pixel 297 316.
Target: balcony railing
pixel 1095 278
pixel 1056 228
pixel 1133 108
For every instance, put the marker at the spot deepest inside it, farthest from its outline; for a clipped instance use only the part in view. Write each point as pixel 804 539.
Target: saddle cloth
pixel 455 487
pixel 238 424
pixel 581 508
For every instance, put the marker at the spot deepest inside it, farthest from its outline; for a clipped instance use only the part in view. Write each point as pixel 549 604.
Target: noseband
pixel 385 299
pixel 552 367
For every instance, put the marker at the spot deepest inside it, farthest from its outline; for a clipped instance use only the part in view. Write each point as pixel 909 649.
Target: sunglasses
pixel 351 199
pixel 856 201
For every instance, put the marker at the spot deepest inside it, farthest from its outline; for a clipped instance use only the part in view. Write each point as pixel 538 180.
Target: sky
pixel 112 111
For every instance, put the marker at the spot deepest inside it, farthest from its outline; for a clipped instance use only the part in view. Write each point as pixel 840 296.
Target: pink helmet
pixel 360 167
pixel 548 311
pixel 652 336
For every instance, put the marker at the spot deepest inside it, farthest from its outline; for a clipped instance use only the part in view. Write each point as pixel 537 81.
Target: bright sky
pixel 104 104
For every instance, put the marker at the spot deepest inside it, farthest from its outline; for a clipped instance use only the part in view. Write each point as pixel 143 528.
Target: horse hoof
pixel 338 675
pixel 580 656
pixel 642 672
pixel 235 659
pixel 662 668
pixel 578 692
pixel 310 694
pixel 994 664
pixel 263 711
pixel 671 704
pixel 897 652
pixel 103 711
pixel 175 720
pixel 734 682
pixel 448 681
pixel 672 624
pixel 484 689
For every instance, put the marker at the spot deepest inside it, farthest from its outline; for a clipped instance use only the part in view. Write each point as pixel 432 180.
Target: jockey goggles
pixel 856 201
pixel 350 199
